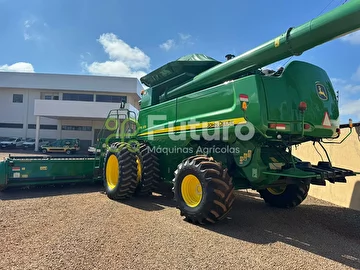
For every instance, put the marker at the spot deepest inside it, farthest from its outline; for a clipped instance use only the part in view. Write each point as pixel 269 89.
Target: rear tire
pixel 148 171
pixel 291 196
pixel 203 190
pixel 120 172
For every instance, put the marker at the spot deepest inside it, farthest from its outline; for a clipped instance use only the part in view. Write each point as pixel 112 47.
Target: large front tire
pixel 120 172
pixel 288 196
pixel 203 190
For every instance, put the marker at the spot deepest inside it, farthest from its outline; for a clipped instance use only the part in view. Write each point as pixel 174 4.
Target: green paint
pixel 198 89
pixel 3 176
pixel 35 170
pixel 184 90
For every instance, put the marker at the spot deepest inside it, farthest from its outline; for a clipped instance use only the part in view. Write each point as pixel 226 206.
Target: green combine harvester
pixel 210 128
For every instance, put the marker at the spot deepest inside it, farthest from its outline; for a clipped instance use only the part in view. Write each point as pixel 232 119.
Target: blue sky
pixel 118 37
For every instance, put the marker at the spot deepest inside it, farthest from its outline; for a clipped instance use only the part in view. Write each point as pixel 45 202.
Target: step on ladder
pixel 97 162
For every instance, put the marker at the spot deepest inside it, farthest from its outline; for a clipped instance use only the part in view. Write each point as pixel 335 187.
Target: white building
pixel 61 106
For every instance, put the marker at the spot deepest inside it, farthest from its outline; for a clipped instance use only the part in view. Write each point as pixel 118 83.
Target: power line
pixel 326 7
pixel 317 16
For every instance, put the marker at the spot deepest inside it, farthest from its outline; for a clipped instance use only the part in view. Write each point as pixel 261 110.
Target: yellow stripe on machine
pixel 213 124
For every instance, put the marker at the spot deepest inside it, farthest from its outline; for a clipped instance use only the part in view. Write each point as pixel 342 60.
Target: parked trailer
pixel 42 170
pixel 17 171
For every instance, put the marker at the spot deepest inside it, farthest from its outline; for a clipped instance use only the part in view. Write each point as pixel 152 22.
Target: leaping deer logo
pixel 321 91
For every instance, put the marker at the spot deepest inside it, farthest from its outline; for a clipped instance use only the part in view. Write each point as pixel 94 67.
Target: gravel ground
pixel 78 227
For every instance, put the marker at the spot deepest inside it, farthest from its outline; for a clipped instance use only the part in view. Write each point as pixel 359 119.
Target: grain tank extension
pixel 213 127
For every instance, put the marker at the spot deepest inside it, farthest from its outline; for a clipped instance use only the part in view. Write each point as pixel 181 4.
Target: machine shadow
pixel 310 227
pixel 161 198
pixel 18 193
pixel 313 228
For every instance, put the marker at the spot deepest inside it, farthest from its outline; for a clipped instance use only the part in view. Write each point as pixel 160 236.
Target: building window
pixel 78 97
pixel 50 96
pixel 10 125
pixel 18 98
pixel 109 98
pixel 77 128
pixel 49 127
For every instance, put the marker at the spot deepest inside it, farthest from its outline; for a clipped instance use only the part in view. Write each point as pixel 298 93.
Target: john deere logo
pixel 321 91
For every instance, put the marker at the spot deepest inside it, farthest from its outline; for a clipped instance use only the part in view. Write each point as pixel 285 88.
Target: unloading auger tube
pixel 296 40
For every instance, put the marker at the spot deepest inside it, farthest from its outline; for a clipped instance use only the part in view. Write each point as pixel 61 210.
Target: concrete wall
pixel 66 82
pixel 24 113
pixel 345 155
pixel 75 109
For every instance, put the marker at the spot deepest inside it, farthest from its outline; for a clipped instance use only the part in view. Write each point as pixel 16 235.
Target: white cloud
pixel 351 88
pixel 184 39
pixel 337 81
pixel 85 55
pixel 124 60
pixel 349 101
pixel 114 68
pixel 18 67
pixel 351 109
pixel 33 29
pixel 356 75
pixel 167 45
pixel 184 36
pixel 352 38
pixel 28 32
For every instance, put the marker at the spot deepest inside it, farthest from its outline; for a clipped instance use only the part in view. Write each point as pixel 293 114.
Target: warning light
pixel 243 106
pixel 302 106
pixel 272 125
pixel 307 126
pixel 277 126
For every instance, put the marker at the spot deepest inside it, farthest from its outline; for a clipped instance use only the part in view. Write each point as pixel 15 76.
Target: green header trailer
pixel 17 171
pixel 211 127
pixel 20 171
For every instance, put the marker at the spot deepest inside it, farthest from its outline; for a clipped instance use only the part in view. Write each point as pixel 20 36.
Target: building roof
pixel 68 82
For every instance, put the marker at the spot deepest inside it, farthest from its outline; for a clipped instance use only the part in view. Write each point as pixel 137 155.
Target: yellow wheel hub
pixel 191 190
pixel 112 172
pixel 277 190
pixel 139 169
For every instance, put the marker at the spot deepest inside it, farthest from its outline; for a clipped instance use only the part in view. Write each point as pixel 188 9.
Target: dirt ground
pixel 78 227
